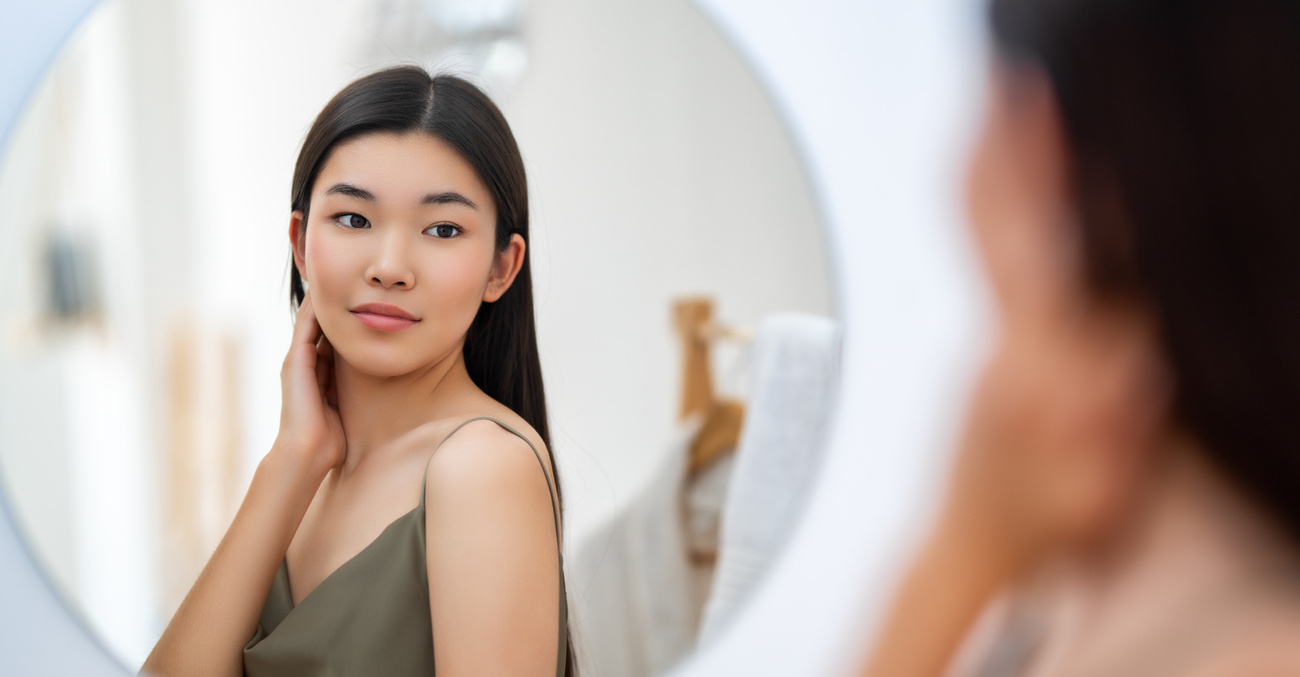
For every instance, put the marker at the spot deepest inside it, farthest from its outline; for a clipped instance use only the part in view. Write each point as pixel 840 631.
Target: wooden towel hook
pixel 692 316
pixel 719 431
pixel 718 435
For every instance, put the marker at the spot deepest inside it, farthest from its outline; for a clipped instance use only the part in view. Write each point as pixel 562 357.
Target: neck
pixel 1196 522
pixel 378 409
pixel 1196 547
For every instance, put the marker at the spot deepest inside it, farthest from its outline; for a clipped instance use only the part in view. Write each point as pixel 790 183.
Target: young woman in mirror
pixel 1134 199
pixel 406 519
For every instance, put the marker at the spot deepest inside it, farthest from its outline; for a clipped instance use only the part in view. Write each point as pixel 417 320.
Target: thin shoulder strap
pixel 555 514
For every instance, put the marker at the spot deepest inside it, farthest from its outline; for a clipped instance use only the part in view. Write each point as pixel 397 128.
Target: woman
pixel 1134 198
pixel 404 504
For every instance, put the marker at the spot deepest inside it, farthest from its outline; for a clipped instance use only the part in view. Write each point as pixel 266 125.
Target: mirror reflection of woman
pixel 406 519
pixel 1134 198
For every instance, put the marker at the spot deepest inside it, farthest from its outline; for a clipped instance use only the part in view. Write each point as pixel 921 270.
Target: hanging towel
pixel 794 376
pixel 638 596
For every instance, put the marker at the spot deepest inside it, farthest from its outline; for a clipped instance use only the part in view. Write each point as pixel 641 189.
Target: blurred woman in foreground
pixel 1135 196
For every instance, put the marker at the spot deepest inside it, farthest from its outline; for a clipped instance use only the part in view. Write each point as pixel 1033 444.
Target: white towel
pixel 635 598
pixel 794 377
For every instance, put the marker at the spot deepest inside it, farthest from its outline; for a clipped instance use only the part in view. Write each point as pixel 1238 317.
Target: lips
pixel 383 316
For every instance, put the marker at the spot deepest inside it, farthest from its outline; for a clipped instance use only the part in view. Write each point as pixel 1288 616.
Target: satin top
pixel 370 616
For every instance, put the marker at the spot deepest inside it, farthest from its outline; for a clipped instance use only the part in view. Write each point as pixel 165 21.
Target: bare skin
pixel 1070 452
pixel 362 412
pixel 1201 582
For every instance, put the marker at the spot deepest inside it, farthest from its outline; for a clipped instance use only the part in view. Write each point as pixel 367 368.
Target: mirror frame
pixel 878 97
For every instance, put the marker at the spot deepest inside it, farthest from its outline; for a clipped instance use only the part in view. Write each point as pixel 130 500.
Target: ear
pixel 298 242
pixel 505 266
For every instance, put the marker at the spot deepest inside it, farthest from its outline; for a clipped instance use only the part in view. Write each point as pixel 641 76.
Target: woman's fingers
pixel 324 364
pixel 310 355
pixel 326 356
pixel 323 357
pixel 309 419
pixel 306 328
pixel 302 344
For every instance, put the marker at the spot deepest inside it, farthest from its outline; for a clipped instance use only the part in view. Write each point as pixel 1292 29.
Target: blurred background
pixel 144 311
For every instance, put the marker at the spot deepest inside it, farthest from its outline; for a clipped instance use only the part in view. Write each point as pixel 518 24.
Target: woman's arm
pixel 1062 425
pixel 219 615
pixel 950 581
pixel 493 557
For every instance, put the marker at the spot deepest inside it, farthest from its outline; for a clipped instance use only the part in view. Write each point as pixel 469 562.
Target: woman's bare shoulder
pixel 482 456
pixel 487 492
pixel 476 426
pixel 492 551
pixel 489 438
pixel 1263 644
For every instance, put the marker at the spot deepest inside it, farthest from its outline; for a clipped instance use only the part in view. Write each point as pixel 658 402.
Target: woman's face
pixel 1020 202
pixel 398 251
pixel 1073 392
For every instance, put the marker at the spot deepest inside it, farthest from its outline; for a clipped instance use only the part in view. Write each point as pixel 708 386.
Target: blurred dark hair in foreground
pixel 1184 123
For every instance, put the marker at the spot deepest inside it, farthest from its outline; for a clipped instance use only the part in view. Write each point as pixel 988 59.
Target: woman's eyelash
pixel 351 220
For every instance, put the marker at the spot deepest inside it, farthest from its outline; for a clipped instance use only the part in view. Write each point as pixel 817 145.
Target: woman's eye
pixel 352 221
pixel 443 231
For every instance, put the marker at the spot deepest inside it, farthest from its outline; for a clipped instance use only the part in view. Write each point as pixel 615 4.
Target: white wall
pixel 658 169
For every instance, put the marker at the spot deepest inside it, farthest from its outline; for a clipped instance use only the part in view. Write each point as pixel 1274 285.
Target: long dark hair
pixel 501 345
pixel 1183 122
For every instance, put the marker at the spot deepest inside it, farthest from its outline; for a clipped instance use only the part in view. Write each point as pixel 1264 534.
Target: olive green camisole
pixel 371 615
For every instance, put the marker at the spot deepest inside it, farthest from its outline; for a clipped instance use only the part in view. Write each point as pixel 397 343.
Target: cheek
pixel 454 291
pixel 1011 234
pixel 325 261
pixel 329 271
pixel 458 280
pixel 984 200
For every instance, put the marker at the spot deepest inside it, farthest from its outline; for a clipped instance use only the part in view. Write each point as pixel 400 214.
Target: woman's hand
pixel 220 614
pixel 310 427
pixel 1053 451
pixel 1058 438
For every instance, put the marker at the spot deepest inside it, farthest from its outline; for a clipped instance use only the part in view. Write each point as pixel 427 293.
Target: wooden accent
pixel 231 428
pixel 720 430
pixel 204 470
pixel 692 316
pixel 718 436
pixel 182 545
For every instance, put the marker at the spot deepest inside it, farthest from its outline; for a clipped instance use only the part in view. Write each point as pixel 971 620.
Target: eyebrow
pixel 443 198
pixel 448 197
pixel 351 191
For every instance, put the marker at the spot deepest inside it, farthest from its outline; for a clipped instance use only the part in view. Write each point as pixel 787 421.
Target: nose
pixel 389 267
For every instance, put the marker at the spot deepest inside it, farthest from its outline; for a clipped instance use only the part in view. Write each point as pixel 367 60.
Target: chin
pixel 384 355
pixel 380 367
pixel 389 359
pixel 381 361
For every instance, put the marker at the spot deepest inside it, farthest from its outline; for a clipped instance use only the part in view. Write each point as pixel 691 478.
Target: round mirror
pixel 681 271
